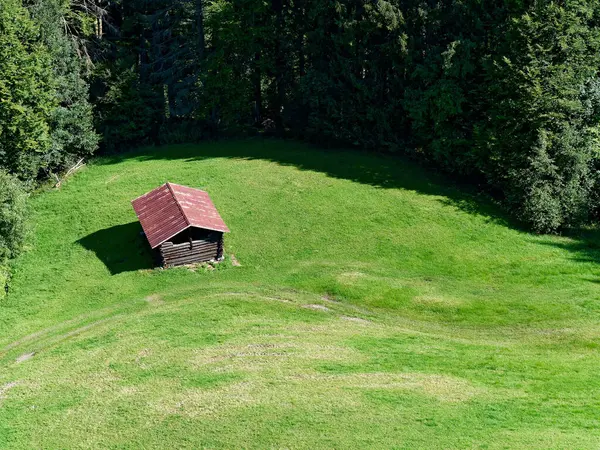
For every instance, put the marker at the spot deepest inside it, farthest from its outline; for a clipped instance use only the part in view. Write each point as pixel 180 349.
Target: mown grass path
pixel 375 306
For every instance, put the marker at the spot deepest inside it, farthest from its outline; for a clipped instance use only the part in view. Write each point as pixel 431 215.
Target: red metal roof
pixel 171 208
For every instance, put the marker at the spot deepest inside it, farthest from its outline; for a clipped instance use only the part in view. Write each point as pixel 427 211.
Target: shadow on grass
pixel 384 171
pixel 122 248
pixel 584 245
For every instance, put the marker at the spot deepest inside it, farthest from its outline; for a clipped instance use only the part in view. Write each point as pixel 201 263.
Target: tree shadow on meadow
pixel 122 248
pixel 385 171
pixel 583 246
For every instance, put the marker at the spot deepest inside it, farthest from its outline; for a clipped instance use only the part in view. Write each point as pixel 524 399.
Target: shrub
pixel 12 216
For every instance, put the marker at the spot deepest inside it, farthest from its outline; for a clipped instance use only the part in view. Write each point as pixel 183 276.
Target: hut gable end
pixel 171 208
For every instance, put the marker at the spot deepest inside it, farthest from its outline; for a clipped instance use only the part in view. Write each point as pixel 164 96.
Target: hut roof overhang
pixel 171 208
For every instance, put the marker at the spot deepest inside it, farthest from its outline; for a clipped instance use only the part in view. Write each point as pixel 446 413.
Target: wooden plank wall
pixel 209 249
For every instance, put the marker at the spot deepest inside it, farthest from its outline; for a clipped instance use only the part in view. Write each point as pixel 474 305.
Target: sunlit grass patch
pixel 366 306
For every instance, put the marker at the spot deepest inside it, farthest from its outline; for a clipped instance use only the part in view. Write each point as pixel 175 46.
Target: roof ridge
pixel 185 217
pixel 188 187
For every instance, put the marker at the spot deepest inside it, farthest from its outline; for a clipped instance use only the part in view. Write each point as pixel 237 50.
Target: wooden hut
pixel 181 224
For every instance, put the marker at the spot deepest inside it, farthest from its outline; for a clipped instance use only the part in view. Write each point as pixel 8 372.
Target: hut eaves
pixel 171 208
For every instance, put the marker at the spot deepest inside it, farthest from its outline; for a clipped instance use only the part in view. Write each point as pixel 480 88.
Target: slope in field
pixel 375 306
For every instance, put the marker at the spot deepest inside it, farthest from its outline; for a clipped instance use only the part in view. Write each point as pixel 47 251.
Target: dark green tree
pixel 501 93
pixel 27 92
pixel 71 122
pixel 538 144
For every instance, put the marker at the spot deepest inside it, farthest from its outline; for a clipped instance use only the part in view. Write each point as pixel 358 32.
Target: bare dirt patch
pixel 277 298
pixel 329 298
pixel 25 357
pixel 317 307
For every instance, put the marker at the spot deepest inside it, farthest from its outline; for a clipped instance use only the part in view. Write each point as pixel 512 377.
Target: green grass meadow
pixel 376 306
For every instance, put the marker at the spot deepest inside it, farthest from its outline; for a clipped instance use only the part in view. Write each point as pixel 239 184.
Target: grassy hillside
pixel 374 306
